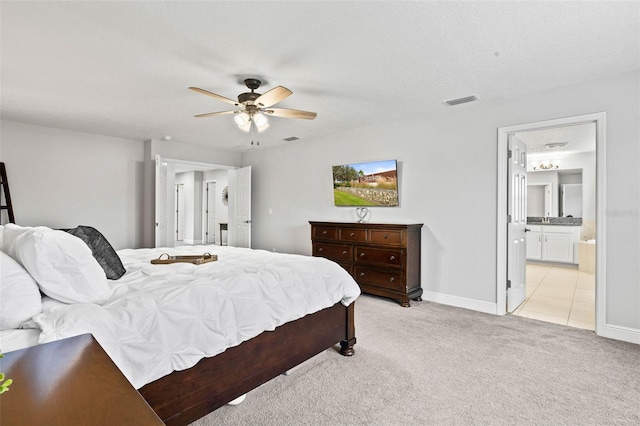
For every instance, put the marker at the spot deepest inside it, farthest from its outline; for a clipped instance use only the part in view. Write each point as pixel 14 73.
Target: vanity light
pixel 546 165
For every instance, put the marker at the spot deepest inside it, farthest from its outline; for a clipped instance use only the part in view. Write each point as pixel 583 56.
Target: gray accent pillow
pixel 101 250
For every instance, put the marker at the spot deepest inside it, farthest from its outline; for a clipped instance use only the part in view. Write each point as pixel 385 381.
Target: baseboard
pixel 616 332
pixel 460 302
pixel 626 334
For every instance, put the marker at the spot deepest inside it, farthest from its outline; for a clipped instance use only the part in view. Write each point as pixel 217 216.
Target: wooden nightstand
pixel 69 382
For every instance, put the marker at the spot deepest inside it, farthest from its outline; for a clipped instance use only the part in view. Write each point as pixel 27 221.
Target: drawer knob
pixel 384 236
pixel 362 254
pixel 320 249
pixel 392 258
pixel 362 274
pixel 344 252
pixel 324 232
pixel 392 279
pixel 352 234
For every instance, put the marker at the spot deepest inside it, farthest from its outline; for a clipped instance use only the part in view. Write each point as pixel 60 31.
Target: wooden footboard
pixel 185 396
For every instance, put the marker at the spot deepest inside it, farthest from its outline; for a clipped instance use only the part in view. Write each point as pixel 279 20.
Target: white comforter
pixel 167 317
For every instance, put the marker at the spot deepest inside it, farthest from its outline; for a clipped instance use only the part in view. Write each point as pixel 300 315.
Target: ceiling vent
pixel 555 145
pixel 291 138
pixel 453 102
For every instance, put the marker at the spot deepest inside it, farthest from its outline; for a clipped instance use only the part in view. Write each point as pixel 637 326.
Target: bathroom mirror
pixel 539 200
pixel 571 200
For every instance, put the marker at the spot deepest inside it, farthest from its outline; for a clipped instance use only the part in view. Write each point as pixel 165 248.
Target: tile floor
pixel 560 294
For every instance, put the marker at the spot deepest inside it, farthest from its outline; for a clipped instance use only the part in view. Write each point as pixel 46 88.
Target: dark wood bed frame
pixel 185 396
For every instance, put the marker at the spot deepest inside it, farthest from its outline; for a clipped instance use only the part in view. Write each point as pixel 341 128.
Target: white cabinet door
pixel 557 247
pixel 553 243
pixel 534 245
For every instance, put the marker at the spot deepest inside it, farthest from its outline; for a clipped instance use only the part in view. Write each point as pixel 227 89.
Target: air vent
pixel 453 102
pixel 555 145
pixel 291 138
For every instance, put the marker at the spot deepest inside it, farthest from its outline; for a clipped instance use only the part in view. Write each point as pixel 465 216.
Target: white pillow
pixel 61 263
pixel 20 297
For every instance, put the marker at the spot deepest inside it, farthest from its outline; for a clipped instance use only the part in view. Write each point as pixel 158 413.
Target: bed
pixel 190 338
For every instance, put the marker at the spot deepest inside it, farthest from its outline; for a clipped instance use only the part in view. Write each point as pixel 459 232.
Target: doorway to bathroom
pixel 564 278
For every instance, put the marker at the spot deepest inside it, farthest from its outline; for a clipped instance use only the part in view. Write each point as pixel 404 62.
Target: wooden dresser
pixel 383 258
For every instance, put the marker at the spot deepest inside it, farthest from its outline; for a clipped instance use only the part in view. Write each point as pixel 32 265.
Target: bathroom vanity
pixel 553 242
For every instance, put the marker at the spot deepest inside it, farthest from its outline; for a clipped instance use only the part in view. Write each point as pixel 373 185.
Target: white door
pixel 240 207
pixel 517 213
pixel 210 213
pixel 161 202
pixel 179 212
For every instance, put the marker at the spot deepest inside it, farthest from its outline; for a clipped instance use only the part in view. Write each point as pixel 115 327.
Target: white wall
pixel 63 179
pixel 448 182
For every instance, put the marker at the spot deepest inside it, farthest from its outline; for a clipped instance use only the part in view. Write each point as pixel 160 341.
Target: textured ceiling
pixel 578 138
pixel 123 68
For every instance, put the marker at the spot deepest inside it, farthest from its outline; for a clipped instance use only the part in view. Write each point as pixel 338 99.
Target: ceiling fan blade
pixel 211 114
pixel 213 95
pixel 290 113
pixel 272 97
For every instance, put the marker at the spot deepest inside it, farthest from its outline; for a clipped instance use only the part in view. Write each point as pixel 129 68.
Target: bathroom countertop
pixel 564 221
pixel 554 224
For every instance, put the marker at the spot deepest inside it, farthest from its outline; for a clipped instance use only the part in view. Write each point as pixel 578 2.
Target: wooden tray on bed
pixel 165 259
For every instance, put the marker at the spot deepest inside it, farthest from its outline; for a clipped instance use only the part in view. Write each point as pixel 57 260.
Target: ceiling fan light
pixel 260 120
pixel 241 119
pixel 262 128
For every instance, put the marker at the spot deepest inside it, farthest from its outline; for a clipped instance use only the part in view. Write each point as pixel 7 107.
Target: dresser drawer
pixel 390 257
pixel 353 235
pixel 386 279
pixel 386 237
pixel 337 252
pixel 324 233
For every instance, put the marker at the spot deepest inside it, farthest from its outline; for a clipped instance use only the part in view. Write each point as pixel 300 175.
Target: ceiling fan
pixel 252 106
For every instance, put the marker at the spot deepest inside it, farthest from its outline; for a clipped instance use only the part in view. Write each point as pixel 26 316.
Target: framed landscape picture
pixel 367 184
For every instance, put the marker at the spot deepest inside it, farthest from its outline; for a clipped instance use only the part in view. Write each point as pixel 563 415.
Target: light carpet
pixel 433 364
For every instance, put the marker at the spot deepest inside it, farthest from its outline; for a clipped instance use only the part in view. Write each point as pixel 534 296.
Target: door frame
pixel 205 218
pixel 599 119
pixel 172 164
pixel 179 209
